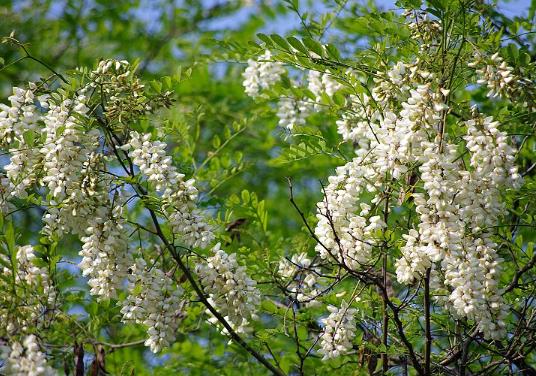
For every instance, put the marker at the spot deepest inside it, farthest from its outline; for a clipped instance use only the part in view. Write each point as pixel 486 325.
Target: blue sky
pixel 511 8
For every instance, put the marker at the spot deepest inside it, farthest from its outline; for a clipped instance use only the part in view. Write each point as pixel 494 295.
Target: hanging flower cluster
pixel 320 83
pixel 301 278
pixel 456 204
pixel 105 256
pixel 231 291
pixel 495 74
pixel 179 196
pixel 26 359
pixel 34 300
pixel 339 331
pixel 154 301
pixel 261 74
pixel 65 149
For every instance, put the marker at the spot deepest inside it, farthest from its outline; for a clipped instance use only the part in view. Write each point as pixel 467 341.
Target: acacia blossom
pixel 302 278
pixel 293 112
pixel 178 195
pixel 105 256
pixel 26 359
pixel 231 291
pixel 320 83
pixel 261 74
pixel 36 296
pixel 496 75
pixel 397 135
pixel 154 301
pixel 339 331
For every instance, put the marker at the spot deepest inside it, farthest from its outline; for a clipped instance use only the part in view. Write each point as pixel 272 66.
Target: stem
pixel 427 328
pixel 385 329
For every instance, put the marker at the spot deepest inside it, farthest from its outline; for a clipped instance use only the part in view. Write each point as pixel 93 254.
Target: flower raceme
pixel 398 131
pixel 63 149
pixel 231 291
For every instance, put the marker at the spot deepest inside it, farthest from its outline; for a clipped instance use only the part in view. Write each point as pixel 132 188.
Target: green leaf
pixel 298 45
pixel 266 39
pixel 314 46
pixel 245 196
pixel 280 41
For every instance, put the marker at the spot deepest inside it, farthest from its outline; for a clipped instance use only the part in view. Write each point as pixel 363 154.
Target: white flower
pixel 261 74
pixel 154 301
pixel 153 162
pixel 339 331
pixel 67 146
pixel 496 75
pixel 105 256
pixel 35 298
pixel 344 231
pixel 27 360
pixel 293 112
pixel 231 291
pixel 320 83
pixel 179 196
pixel 303 278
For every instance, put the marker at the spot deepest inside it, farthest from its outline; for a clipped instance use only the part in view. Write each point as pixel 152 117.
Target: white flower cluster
pixel 231 291
pixel 389 138
pixel 339 331
pixel 17 126
pixel 35 296
pixel 179 196
pixel 401 136
pixel 423 28
pixel 346 230
pixel 105 256
pixel 66 147
pixel 293 112
pixel 57 149
pixel 456 211
pixel 155 302
pixel 320 83
pixel 26 359
pixel 496 75
pixel 302 278
pixel 67 150
pixel 261 74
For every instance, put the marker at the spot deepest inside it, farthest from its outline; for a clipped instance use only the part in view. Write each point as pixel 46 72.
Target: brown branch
pixel 427 323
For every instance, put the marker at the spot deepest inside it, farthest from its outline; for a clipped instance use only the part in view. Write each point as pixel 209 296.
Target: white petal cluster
pixel 261 74
pixel 66 147
pixel 179 196
pixel 320 83
pixel 20 116
pixel 346 230
pixel 17 126
pixel 439 230
pixel 155 302
pixel 35 297
pixel 302 278
pixel 496 75
pixel 388 144
pixel 339 331
pixel 26 359
pixel 426 30
pixel 105 256
pixel 456 212
pixel 397 134
pixel 293 112
pixel 153 161
pixel 231 291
